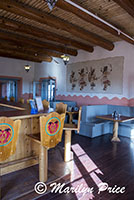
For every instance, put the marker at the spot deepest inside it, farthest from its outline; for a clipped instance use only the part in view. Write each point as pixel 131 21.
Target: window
pixel 45 88
pixel 8 88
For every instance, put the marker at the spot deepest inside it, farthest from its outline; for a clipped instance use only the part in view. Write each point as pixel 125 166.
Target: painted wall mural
pixel 96 76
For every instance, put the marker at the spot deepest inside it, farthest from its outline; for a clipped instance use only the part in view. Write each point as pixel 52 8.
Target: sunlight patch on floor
pixel 84 158
pixel 76 175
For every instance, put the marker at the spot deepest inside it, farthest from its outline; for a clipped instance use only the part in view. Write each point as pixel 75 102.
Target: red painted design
pixel 4 135
pixel 87 100
pixel 53 127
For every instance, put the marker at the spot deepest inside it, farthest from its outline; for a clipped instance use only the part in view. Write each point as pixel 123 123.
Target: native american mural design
pixel 82 78
pixel 106 70
pixel 92 78
pixel 73 79
pixel 103 76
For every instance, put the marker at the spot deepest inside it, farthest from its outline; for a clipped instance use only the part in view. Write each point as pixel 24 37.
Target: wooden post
pixel 115 132
pixel 70 118
pixel 67 151
pixel 43 164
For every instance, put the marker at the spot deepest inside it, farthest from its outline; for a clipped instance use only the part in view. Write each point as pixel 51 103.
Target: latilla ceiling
pixel 30 31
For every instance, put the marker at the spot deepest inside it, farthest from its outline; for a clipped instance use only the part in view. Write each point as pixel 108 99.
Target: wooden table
pixel 116 122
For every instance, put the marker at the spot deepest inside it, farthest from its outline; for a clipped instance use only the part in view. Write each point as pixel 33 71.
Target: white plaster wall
pixel 15 67
pixel 121 49
pixel 59 70
pixel 46 69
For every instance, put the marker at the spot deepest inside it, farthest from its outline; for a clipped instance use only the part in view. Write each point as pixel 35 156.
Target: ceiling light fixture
pixel 27 68
pixel 51 3
pixel 65 58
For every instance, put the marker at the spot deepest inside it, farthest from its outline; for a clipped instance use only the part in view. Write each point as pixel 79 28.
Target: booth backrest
pixel 123 110
pixel 132 111
pixel 89 112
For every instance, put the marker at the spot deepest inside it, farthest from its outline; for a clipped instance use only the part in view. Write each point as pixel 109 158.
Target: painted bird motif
pixel 53 126
pixel 4 135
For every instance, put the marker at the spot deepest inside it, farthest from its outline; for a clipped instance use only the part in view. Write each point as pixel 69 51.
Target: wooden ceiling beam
pixel 88 18
pixel 53 21
pixel 10 54
pixel 127 5
pixel 24 55
pixel 38 56
pixel 20 39
pixel 17 27
pixel 31 49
